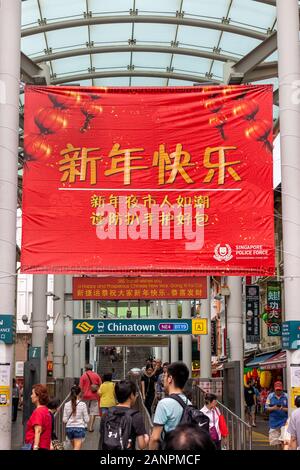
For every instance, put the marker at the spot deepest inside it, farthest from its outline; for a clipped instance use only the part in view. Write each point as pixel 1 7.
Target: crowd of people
pixel 177 424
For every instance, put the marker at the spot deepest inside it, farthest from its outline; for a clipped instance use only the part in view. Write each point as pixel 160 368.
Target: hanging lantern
pixel 246 109
pixel 259 131
pixel 90 109
pixel 36 147
pixel 50 120
pixel 214 104
pixel 65 100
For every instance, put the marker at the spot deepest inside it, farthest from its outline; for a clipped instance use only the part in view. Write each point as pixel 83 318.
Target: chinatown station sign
pixel 148 181
pixel 115 288
pixel 195 326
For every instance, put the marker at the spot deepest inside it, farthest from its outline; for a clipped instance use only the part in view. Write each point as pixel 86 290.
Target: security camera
pixel 25 319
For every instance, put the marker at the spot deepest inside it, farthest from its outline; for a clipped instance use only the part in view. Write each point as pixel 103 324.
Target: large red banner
pixel 148 181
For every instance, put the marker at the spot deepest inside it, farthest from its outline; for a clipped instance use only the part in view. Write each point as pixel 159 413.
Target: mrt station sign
pixel 116 288
pixel 173 181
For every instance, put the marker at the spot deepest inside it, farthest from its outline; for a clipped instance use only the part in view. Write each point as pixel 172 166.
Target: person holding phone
pixel 277 407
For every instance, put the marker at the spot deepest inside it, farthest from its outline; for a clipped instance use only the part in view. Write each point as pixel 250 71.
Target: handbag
pixel 94 387
pixel 223 425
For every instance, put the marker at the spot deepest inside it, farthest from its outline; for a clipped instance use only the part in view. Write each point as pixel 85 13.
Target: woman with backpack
pixel 76 418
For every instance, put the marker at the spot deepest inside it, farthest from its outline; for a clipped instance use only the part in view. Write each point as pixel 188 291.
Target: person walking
pixel 39 426
pixel 211 410
pixel 107 394
pixel 76 418
pixel 294 426
pixel 90 383
pixel 15 400
pixel 277 407
pixel 250 401
pixel 148 388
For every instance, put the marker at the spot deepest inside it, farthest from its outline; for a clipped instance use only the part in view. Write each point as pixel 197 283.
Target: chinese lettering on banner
pixel 252 314
pixel 274 309
pixel 118 288
pixel 148 181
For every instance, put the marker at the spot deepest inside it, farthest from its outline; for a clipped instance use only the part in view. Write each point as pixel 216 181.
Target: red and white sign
pixel 148 181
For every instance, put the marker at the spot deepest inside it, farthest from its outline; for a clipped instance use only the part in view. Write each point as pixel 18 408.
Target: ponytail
pixel 75 391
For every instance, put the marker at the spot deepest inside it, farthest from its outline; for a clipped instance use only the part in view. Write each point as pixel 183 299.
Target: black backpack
pixel 116 430
pixel 191 414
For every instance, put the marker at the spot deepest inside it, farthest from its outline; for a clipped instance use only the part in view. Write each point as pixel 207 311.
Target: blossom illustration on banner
pixel 260 131
pixel 90 108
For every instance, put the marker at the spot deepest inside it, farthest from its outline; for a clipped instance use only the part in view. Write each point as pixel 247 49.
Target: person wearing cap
pixel 277 407
pixel 294 426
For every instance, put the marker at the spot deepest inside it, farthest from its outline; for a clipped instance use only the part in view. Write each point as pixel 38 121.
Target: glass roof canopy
pixel 143 42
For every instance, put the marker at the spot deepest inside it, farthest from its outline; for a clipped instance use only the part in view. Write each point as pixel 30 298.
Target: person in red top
pixel 89 384
pixel 39 426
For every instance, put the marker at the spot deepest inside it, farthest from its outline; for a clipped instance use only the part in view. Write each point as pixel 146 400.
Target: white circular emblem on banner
pixel 223 253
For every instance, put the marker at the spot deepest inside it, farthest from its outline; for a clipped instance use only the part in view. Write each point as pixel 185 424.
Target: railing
pixel 60 427
pixel 240 432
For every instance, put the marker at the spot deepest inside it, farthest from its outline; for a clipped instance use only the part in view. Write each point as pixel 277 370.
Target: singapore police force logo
pixel 223 253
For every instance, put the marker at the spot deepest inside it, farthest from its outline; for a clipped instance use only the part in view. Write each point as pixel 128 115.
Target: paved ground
pixel 260 435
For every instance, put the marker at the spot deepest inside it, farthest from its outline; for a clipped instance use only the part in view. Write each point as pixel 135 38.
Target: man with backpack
pixel 123 427
pixel 175 409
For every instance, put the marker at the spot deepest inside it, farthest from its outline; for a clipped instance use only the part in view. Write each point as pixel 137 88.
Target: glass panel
pixel 58 9
pixel 111 33
pixel 258 15
pixel 33 45
pixel 237 44
pixel 205 38
pixel 113 81
pixel 196 65
pixel 110 7
pixel 71 64
pixel 168 7
pixel 30 13
pixel 154 32
pixel 147 81
pixel 206 8
pixel 217 69
pixel 111 60
pixel 151 60
pixel 67 37
pixel 273 57
pixel 173 82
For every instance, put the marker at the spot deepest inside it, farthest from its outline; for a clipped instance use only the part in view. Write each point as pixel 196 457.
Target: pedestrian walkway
pixel 260 434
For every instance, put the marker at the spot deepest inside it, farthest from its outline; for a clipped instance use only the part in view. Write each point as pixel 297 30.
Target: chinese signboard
pixel 252 314
pixel 148 181
pixel 7 328
pixel 274 309
pixel 139 288
pixel 291 335
pixel 140 327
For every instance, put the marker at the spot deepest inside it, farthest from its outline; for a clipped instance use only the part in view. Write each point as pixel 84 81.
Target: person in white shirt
pixel 76 418
pixel 212 412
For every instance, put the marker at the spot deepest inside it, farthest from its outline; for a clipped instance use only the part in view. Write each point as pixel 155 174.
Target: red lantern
pixel 259 131
pixel 66 100
pixel 247 109
pixel 214 104
pixel 219 121
pixel 50 120
pixel 36 147
pixel 90 109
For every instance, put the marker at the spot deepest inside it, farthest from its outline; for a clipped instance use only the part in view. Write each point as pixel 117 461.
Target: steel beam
pixel 133 73
pixel 133 48
pixel 32 72
pixel 263 72
pixel 94 20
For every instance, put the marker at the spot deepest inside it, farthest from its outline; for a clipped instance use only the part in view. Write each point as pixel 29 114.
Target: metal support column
pixel 174 338
pixel 10 30
pixel 158 316
pixel 69 367
pixel 76 342
pixel 82 343
pixel 235 329
pixel 39 320
pixel 59 327
pixel 165 314
pixel 289 115
pixel 187 339
pixel 205 340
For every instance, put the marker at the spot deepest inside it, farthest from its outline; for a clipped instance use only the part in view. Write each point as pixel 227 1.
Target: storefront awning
pixel 276 362
pixel 258 360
